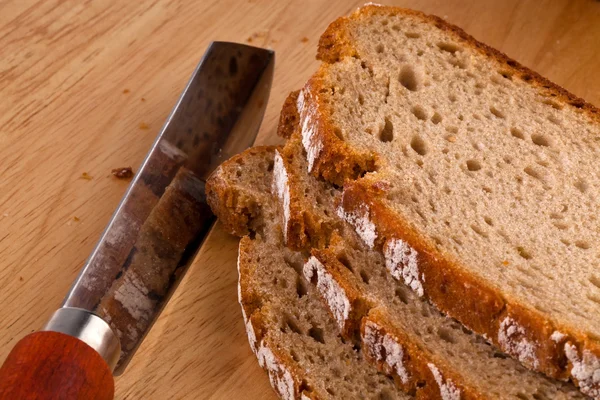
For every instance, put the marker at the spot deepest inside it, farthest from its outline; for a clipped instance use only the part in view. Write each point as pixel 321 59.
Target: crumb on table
pixel 125 91
pixel 86 176
pixel 304 39
pixel 123 173
pixel 144 126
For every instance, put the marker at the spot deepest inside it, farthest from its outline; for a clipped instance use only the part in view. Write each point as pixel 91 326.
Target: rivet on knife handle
pixel 152 237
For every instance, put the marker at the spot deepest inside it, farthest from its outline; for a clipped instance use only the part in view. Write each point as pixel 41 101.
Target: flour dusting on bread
pixel 448 391
pixel 282 189
pixel 401 261
pixel 361 222
pixel 512 339
pixel 309 125
pixel 333 293
pixel 585 369
pixel 384 348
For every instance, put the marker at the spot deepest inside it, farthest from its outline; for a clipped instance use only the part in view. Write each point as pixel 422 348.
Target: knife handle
pixel 52 365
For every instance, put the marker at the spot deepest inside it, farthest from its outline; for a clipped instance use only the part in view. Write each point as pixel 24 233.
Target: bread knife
pixel 151 239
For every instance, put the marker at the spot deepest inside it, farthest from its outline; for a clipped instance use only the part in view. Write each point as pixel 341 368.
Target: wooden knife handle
pixel 51 365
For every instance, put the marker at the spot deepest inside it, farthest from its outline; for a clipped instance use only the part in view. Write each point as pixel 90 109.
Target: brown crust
pixel 288 118
pixel 451 287
pixel 235 208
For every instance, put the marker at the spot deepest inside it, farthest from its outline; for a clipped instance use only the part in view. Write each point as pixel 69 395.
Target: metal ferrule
pixel 90 329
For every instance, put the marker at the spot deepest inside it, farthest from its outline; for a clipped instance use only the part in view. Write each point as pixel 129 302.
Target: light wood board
pixel 85 87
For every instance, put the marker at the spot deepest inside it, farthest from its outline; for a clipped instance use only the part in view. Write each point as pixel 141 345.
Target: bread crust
pixel 235 209
pixel 466 297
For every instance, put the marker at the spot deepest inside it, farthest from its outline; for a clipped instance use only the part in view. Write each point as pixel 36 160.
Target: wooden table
pixel 85 87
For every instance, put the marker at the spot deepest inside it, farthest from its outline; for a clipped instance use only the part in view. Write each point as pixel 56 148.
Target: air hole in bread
pixel 498 113
pixel 595 280
pixel 419 112
pixel 436 118
pixel 283 283
pixel 594 298
pixel 412 35
pixel 565 242
pixel 338 133
pixel 581 185
pixel 361 99
pixel 379 48
pixel 522 396
pixel 317 334
pixel 343 259
pixel 479 231
pixel 418 145
pixel 301 287
pixel 408 78
pixel 582 244
pixel 452 129
pixel 448 47
pixel 518 133
pixel 291 324
pixel 294 355
pixel 554 120
pixel 402 294
pixel 446 335
pixel 330 391
pixel 524 253
pixel 535 173
pixel 506 75
pixel 387 133
pixel 488 221
pixel 553 104
pixel 452 98
pixel 473 165
pixel 540 140
pixel 364 276
pixel 561 225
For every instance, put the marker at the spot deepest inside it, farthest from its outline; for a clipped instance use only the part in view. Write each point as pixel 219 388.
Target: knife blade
pixel 163 218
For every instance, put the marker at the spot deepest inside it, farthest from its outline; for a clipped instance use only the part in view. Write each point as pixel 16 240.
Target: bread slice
pixel 400 332
pixel 292 334
pixel 479 168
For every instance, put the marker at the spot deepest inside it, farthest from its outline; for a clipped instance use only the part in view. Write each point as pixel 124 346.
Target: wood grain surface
pixel 85 87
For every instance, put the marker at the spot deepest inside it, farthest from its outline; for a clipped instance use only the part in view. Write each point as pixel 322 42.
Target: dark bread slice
pixel 371 108
pixel 291 332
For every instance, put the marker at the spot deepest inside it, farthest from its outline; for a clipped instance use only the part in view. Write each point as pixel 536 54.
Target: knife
pixel 151 238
